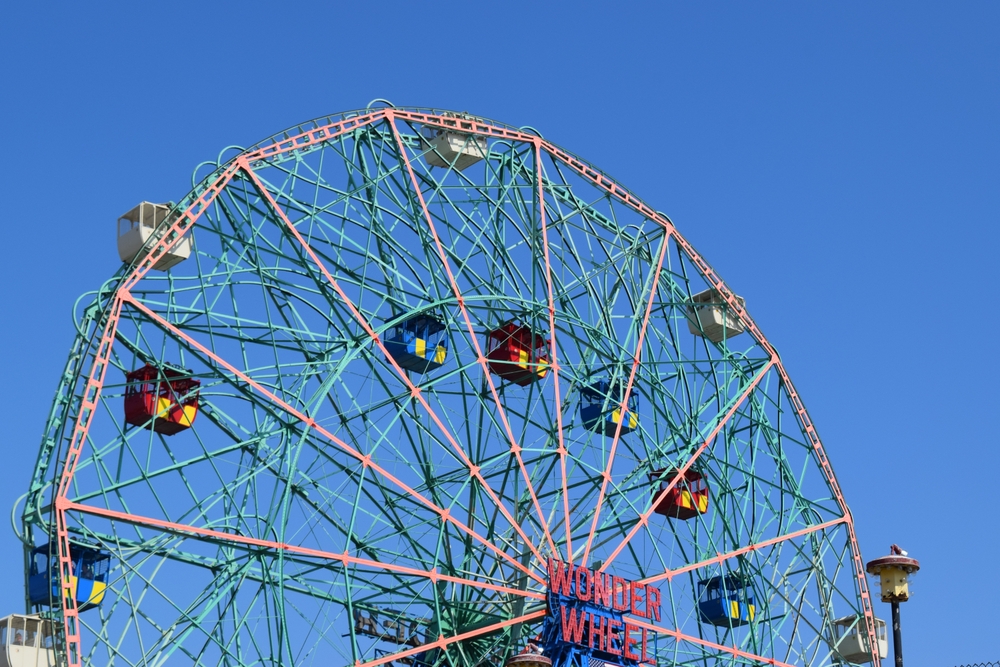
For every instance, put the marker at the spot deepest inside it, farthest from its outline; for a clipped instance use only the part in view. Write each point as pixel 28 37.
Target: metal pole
pixel 897 636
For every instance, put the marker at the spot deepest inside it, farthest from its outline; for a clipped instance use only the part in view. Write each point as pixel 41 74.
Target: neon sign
pixel 587 614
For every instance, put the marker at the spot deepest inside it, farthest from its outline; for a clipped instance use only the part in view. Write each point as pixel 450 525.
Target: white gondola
pixel 458 148
pixel 852 639
pixel 26 641
pixel 139 225
pixel 709 315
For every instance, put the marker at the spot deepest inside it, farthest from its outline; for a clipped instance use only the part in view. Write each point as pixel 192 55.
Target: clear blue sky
pixel 838 163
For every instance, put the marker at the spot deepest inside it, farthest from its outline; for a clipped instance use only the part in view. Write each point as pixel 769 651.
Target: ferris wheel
pixel 409 386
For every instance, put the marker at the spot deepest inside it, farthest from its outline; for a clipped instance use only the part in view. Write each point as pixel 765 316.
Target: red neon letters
pixel 614 594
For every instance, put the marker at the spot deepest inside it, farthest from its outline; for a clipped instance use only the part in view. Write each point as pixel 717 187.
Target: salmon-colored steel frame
pixel 636 360
pixel 553 346
pixel 364 460
pixel 644 517
pixel 241 540
pixel 414 389
pixel 315 137
pixel 515 448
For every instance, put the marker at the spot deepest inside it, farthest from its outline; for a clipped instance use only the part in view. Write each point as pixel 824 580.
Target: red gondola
pixel 687 499
pixel 516 353
pixel 163 399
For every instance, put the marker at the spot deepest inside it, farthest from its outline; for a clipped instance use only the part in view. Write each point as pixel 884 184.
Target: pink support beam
pixel 242 540
pixel 644 517
pixel 554 349
pixel 515 447
pixel 670 574
pixel 731 650
pixel 415 391
pixel 618 192
pixel 365 460
pixel 636 360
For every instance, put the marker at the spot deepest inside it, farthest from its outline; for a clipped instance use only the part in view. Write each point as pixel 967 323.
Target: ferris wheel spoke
pixel 724 650
pixel 515 447
pixel 511 207
pixel 554 346
pixel 366 460
pixel 505 278
pixel 361 546
pixel 643 519
pixel 414 389
pixel 342 558
pixel 621 250
pixel 640 339
pixel 256 565
pixel 670 574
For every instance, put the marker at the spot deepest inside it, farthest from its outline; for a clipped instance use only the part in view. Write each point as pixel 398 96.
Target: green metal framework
pixel 329 507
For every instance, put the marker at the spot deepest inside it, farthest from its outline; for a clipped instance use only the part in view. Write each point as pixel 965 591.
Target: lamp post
pixel 893 572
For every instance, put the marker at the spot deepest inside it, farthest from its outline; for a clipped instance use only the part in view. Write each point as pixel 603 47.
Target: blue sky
pixel 836 163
